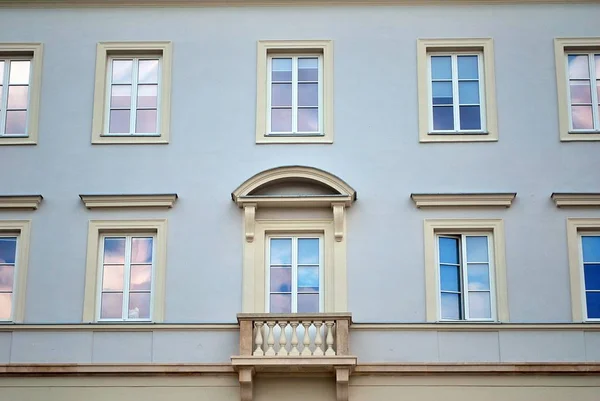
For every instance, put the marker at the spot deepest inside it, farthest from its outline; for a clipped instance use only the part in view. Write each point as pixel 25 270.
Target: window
pixel 14 251
pixel 20 76
pixel 125 271
pixel 294 92
pixel 132 99
pixel 465 270
pixel 456 90
pixel 295 274
pixel 590 253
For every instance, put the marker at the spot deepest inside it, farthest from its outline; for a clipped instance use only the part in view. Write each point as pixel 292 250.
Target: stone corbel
pixel 338 220
pixel 249 221
pixel 342 378
pixel 246 385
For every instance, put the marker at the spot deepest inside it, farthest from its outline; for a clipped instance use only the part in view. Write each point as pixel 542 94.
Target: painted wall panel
pixel 40 347
pixel 553 346
pixel 389 346
pixel 5 345
pixel 592 346
pixel 457 346
pixel 181 347
pixel 115 347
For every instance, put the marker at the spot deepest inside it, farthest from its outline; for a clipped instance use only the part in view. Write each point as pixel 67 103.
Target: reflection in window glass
pixel 584 90
pixel 8 260
pixel 590 247
pixel 15 76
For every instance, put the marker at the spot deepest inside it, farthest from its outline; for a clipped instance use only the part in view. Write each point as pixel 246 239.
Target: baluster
pixel 329 338
pixel 294 350
pixel 318 340
pixel 258 341
pixel 306 341
pixel 270 339
pixel 282 339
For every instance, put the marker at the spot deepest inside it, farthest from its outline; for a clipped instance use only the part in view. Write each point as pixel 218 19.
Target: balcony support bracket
pixel 246 374
pixel 342 376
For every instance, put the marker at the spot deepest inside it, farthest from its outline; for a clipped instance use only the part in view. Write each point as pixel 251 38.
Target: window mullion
pixel 455 99
pixel 294 94
pixel 4 100
pixel 294 274
pixel 134 91
pixel 594 90
pixel 464 277
pixel 126 276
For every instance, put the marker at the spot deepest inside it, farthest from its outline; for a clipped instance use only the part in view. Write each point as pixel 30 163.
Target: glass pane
pixel 443 118
pixel 139 305
pixel 147 96
pixel 119 122
pixel 120 96
pixel 281 279
pixel 308 279
pixel 470 118
pixel 478 276
pixel 468 92
pixel 8 249
pixel 141 278
pixel 114 250
pixel 450 278
pixel 145 122
pixel 591 248
pixel 281 69
pixel 17 97
pixel 448 250
pixel 479 305
pixel 441 67
pixel 597 59
pixel 591 273
pixel 112 306
pixel 141 250
pixel 593 305
pixel 308 251
pixel 441 92
pixel 308 120
pixel 578 66
pixel 16 122
pixel 1 72
pixel 582 117
pixel 477 249
pixel 5 306
pixel 308 69
pixel 148 71
pixel 308 303
pixel 308 95
pixel 468 67
pixel 281 303
pixel 281 94
pixel 281 251
pixel 19 72
pixel 281 120
pixel 580 92
pixel 121 71
pixel 451 306
pixel 112 278
pixel 6 278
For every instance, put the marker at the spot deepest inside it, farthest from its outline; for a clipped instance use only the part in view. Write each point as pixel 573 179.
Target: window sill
pixel 17 140
pixel 287 138
pixel 580 136
pixel 129 139
pixel 458 137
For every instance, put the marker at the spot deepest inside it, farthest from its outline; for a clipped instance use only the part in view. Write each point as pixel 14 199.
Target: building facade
pixel 299 200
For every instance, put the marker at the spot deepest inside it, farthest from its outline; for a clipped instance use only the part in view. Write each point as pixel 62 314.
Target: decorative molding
pixel 469 326
pixel 20 201
pixel 121 201
pixel 526 368
pixel 464 200
pixel 294 200
pixel 122 327
pixel 304 364
pixel 116 368
pixel 338 220
pixel 249 220
pixel 574 199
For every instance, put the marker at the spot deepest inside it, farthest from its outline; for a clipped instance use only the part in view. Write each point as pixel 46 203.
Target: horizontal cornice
pixel 294 200
pixel 20 201
pixel 121 327
pixel 127 201
pixel 574 199
pixel 557 368
pixel 463 199
pixel 459 326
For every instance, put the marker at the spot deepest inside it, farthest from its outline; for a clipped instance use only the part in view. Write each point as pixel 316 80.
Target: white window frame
pixel 294 267
pixel 455 95
pixel 4 100
pixel 582 275
pixel 593 79
pixel 126 276
pixel 16 268
pixel 134 91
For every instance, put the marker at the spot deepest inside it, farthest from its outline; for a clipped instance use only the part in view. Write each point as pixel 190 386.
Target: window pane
pixel 470 117
pixel 591 273
pixel 580 92
pixel 281 279
pixel 141 250
pixel 478 276
pixel 281 251
pixel 450 278
pixel 1 72
pixel 308 279
pixel 281 94
pixel 468 92
pixel 120 96
pixel 6 278
pixel 448 250
pixel 443 118
pixel 8 249
pixel 593 305
pixel 308 95
pixel 147 96
pixel 16 122
pixel 119 122
pixel 468 67
pixel 17 97
pixel 281 120
pixel 112 306
pixel 582 117
pixel 441 92
pixel 19 72
pixel 5 306
pixel 281 69
pixel 578 66
pixel 591 248
pixel 114 250
pixel 441 67
pixel 308 303
pixel 112 278
pixel 281 303
pixel 308 69
pixel 477 249
pixel 121 71
pixel 308 120
pixel 479 305
pixel 148 71
pixel 308 251
pixel 597 59
pixel 145 122
pixel 139 305
pixel 141 277
pixel 451 306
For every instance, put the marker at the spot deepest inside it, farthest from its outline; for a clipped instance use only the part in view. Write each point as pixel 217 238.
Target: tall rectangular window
pixel 590 249
pixel 8 267
pixel 126 277
pixel 295 274
pixel 584 91
pixel 466 277
pixel 15 79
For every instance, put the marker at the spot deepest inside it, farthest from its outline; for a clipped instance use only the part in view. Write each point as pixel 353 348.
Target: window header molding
pixel 20 201
pixel 574 199
pixel 121 201
pixel 464 200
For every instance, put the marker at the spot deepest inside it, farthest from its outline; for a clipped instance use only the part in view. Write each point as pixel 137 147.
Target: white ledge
pixel 566 199
pixel 464 200
pixel 294 200
pixel 20 201
pixel 121 201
